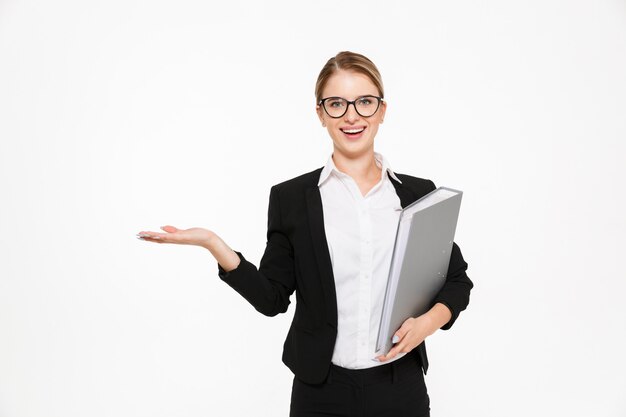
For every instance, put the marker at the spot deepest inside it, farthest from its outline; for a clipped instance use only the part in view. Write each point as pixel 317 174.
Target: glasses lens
pixel 335 106
pixel 367 106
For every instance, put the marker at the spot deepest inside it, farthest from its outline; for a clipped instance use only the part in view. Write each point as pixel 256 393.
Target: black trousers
pixel 395 389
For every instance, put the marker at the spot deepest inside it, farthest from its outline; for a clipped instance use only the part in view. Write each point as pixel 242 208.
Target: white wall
pixel 121 116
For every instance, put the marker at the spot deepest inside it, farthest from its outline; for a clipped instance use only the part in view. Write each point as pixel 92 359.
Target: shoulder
pixel 292 196
pixel 417 184
pixel 303 181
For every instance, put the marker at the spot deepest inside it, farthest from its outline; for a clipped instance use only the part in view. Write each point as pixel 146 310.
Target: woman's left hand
pixel 412 332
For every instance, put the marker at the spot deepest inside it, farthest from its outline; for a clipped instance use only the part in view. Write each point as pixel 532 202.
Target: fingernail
pixel 139 237
pixel 375 360
pixel 395 339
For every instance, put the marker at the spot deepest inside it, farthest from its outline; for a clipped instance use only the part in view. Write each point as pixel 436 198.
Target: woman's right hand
pixel 194 236
pixel 207 239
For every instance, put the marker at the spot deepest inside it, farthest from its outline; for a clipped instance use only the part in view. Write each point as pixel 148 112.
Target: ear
pixel 382 110
pixel 320 114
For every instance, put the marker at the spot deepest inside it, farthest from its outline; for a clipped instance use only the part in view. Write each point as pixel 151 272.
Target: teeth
pixel 353 130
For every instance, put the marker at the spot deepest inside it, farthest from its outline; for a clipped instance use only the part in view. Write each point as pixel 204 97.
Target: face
pixel 352 134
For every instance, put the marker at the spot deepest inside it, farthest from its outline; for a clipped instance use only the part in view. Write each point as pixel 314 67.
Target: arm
pixel 447 305
pixel 269 287
pixel 438 315
pixel 449 302
pixel 455 293
pixel 226 258
pixel 456 290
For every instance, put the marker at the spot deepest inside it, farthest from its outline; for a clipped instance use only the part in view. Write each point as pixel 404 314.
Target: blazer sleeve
pixel 269 287
pixel 455 293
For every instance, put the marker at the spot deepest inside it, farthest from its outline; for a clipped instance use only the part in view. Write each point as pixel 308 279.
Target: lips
pixel 353 132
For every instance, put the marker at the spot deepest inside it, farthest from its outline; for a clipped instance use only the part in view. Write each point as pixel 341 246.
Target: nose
pixel 351 114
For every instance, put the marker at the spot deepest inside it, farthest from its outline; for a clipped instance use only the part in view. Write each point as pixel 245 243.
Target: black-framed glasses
pixel 365 106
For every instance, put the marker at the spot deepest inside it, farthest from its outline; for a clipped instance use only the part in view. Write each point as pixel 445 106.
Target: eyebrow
pixel 362 95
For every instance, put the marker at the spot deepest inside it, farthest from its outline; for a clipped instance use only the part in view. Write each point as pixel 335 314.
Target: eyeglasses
pixel 365 106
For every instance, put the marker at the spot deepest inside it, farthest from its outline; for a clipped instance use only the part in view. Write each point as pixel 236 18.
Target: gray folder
pixel 420 260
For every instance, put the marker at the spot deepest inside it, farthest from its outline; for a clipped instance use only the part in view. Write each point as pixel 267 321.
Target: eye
pixel 335 103
pixel 365 101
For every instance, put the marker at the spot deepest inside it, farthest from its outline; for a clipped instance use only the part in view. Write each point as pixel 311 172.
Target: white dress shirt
pixel 360 231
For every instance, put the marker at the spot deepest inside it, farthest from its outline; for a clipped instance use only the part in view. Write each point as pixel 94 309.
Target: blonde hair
pixel 351 61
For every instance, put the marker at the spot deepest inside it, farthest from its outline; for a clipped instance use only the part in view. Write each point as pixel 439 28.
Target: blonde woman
pixel 330 238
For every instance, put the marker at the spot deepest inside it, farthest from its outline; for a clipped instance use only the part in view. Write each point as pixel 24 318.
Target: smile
pixel 353 132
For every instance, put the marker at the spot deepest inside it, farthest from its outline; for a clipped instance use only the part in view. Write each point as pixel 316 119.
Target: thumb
pixel 397 336
pixel 401 332
pixel 169 229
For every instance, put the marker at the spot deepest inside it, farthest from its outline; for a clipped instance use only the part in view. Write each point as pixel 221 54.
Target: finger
pixel 161 237
pixel 402 331
pixel 400 347
pixel 391 354
pixel 150 239
pixel 169 229
pixel 150 236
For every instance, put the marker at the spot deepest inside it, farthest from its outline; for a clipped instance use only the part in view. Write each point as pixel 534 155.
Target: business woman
pixel 330 238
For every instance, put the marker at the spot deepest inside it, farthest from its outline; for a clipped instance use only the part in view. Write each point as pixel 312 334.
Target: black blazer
pixel 297 258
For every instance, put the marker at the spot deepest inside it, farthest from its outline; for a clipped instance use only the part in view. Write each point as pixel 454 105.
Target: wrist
pixel 210 242
pixel 438 316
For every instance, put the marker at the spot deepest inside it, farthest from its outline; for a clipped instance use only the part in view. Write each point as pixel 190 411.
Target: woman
pixel 330 237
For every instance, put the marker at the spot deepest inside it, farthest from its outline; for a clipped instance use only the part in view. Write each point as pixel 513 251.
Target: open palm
pixel 193 236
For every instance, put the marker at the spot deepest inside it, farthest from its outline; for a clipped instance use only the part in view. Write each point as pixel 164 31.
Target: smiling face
pixel 352 134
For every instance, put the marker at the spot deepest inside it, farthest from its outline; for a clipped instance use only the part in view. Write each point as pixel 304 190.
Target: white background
pixel 122 116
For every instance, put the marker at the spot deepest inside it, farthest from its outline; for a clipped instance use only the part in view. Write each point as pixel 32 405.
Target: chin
pixel 353 148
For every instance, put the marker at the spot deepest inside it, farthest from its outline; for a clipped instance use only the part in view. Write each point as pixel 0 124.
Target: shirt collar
pixel 379 159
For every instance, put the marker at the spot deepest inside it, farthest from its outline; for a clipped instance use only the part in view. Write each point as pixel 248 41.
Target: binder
pixel 420 260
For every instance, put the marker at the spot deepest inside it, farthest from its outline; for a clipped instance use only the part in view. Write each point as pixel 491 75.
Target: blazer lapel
pixel 320 244
pixel 322 254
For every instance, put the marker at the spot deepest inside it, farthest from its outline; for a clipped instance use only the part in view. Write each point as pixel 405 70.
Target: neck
pixel 361 168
